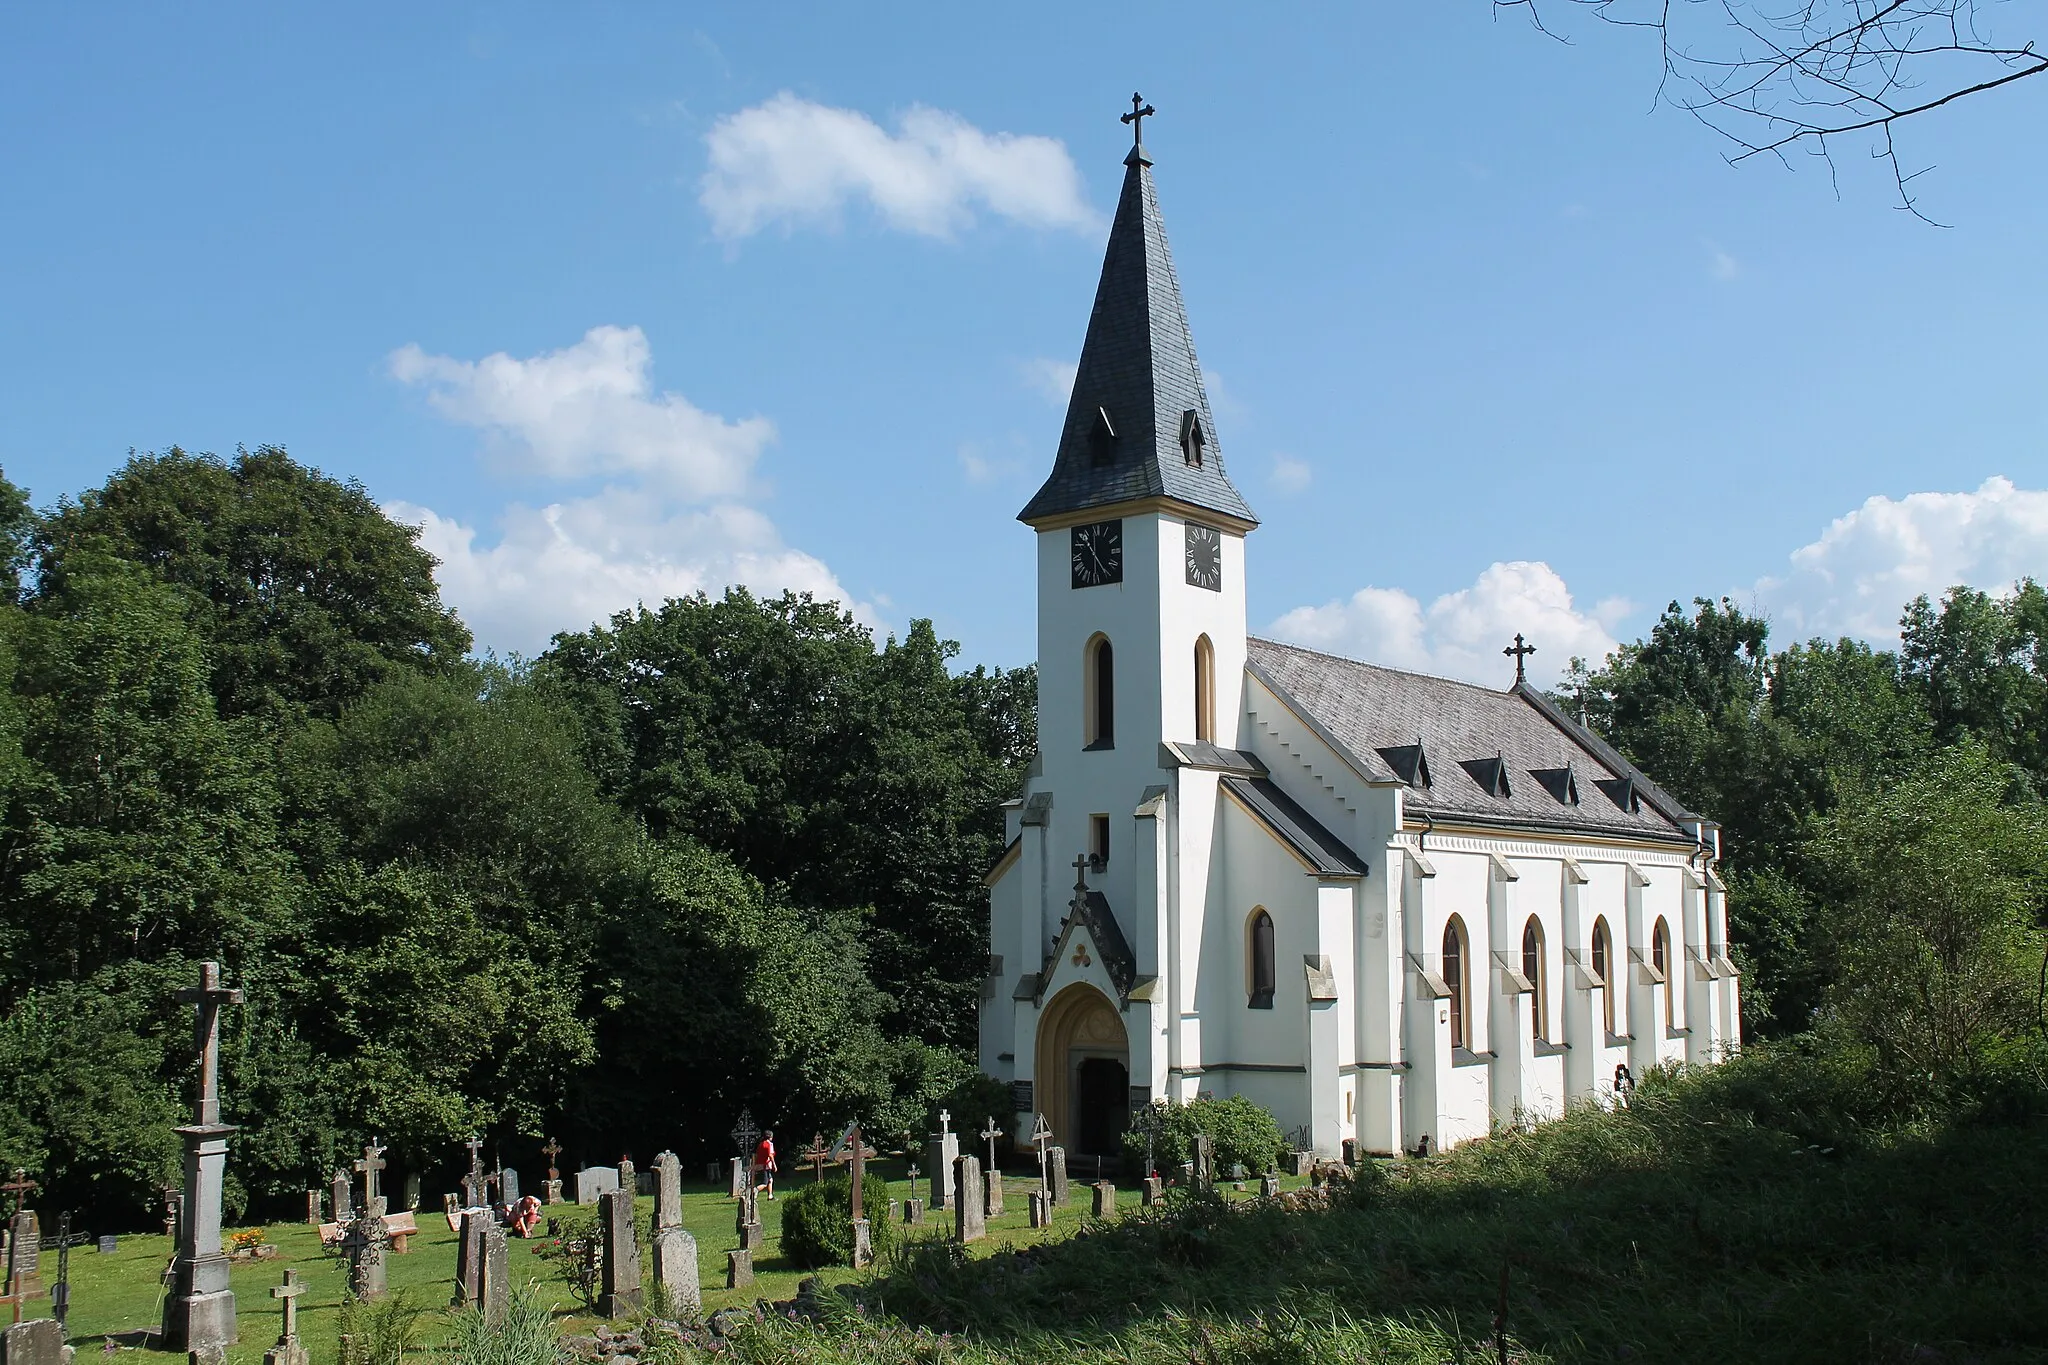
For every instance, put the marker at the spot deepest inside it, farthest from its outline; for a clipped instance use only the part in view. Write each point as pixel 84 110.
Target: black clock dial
pixel 1098 554
pixel 1205 557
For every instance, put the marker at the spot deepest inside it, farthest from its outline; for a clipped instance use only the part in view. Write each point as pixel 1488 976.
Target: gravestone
pixel 941 1150
pixel 739 1269
pixel 1041 1209
pixel 913 1212
pixel 1300 1163
pixel 1105 1199
pixel 711 1172
pixel 1269 1186
pixel 863 1244
pixel 109 1245
pixel 199 1307
pixel 992 1173
pixel 289 1350
pixel 343 1198
pixel 1152 1191
pixel 469 1259
pixel 747 1219
pixel 370 1168
pixel 35 1343
pixel 313 1218
pixel 643 1183
pixel 674 1265
pixel 508 1187
pixel 1205 1161
pixel 24 1255
pixel 495 1282
pixel 627 1174
pixel 1056 1176
pixel 970 1221
pixel 363 1243
pixel 738 1169
pixel 621 1296
pixel 594 1182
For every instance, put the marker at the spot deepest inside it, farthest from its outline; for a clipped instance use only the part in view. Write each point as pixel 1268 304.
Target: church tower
pixel 1141 604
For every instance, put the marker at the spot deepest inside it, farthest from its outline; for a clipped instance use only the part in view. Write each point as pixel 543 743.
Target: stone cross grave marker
pixel 554 1185
pixel 288 1350
pixel 473 1184
pixel 199 1310
pixel 940 1152
pixel 1041 1138
pixel 368 1168
pixel 992 1176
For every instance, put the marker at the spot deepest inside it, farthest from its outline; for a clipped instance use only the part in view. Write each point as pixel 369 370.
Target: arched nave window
pixel 1205 690
pixel 1098 700
pixel 1660 958
pixel 1603 967
pixel 1456 973
pixel 1263 974
pixel 1532 967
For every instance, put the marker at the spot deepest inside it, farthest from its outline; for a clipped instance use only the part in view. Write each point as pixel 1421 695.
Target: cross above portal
pixel 1139 110
pixel 208 997
pixel 1081 876
pixel 1520 652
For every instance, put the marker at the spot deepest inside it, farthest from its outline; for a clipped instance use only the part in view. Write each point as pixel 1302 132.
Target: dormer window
pixel 1409 763
pixel 1490 773
pixel 1192 437
pixel 1562 783
pixel 1102 438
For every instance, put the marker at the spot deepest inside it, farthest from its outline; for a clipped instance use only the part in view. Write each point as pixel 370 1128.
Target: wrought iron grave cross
pixel 817 1154
pixel 552 1150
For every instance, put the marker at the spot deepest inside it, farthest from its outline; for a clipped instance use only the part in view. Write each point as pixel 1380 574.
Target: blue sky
pixel 623 300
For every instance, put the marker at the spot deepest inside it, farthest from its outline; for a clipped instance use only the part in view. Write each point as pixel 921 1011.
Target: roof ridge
pixel 1384 668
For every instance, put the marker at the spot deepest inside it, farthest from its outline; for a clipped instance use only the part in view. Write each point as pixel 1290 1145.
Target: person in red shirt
pixel 764 1162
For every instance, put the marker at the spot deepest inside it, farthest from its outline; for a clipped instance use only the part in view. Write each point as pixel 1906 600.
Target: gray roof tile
pixel 1138 365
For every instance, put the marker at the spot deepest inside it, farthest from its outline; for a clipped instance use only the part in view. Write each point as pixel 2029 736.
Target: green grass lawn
pixel 114 1298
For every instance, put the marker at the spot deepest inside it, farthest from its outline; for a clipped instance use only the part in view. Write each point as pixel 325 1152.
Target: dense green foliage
pixel 236 722
pixel 817 1219
pixel 1245 1135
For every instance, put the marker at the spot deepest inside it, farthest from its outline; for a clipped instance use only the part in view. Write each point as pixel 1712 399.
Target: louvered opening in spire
pixel 1138 424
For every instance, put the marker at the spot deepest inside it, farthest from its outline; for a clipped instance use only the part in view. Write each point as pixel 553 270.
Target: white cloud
pixel 1052 379
pixel 1857 578
pixel 672 523
pixel 1290 475
pixel 590 409
pixel 1461 634
pixel 791 161
pixel 1722 265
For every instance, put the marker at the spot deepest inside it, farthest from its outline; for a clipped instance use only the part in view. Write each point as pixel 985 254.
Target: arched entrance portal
pixel 1084 1077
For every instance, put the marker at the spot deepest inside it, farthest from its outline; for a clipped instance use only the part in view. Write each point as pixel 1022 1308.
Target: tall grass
pixel 527 1336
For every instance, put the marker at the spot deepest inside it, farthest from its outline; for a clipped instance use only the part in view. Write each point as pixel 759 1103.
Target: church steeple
pixel 1138 424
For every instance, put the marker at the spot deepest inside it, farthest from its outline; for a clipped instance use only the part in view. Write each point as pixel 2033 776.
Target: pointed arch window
pixel 1205 690
pixel 1532 967
pixel 1098 694
pixel 1457 974
pixel 1261 966
pixel 1660 958
pixel 1603 967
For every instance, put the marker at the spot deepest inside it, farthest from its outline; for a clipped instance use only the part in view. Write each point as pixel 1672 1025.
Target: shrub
pixel 976 1099
pixel 1243 1132
pixel 817 1221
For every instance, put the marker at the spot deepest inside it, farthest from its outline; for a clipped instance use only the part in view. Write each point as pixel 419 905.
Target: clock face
pixel 1098 554
pixel 1205 557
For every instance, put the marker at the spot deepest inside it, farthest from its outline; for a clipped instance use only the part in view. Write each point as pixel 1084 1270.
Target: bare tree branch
pixel 1772 76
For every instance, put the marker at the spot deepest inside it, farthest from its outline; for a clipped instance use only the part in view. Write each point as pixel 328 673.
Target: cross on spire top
pixel 1139 110
pixel 1520 652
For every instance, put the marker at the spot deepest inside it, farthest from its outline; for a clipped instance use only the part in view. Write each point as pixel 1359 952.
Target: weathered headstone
pixel 199 1309
pixel 469 1258
pixel 1041 1209
pixel 627 1173
pixel 1269 1186
pixel 1152 1191
pixel 508 1187
pixel 1104 1205
pixel 109 1244
pixel 711 1171
pixel 313 1214
pixel 495 1282
pixel 24 1255
pixel 863 1244
pixel 747 1219
pixel 739 1269
pixel 913 1212
pixel 594 1182
pixel 737 1167
pixel 1300 1163
pixel 1056 1176
pixel 363 1243
pixel 342 1193
pixel 289 1350
pixel 940 1152
pixel 35 1343
pixel 668 1191
pixel 970 1222
pixel 674 1250
pixel 1205 1161
pixel 621 1296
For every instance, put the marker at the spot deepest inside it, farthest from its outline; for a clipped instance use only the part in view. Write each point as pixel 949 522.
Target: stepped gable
pixel 1366 711
pixel 1138 388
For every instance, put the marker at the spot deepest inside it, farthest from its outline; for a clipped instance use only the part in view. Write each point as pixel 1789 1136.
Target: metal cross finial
pixel 1520 652
pixel 1139 110
pixel 1081 875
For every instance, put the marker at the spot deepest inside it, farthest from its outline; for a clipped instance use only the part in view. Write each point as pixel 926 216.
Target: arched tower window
pixel 1205 690
pixel 1262 975
pixel 1603 965
pixel 1532 967
pixel 1660 958
pixel 1456 974
pixel 1098 698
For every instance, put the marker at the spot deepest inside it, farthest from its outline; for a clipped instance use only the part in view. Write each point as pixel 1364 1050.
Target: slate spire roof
pixel 1138 424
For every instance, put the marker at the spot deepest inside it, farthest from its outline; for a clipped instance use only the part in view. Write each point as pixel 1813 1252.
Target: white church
pixel 1385 906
